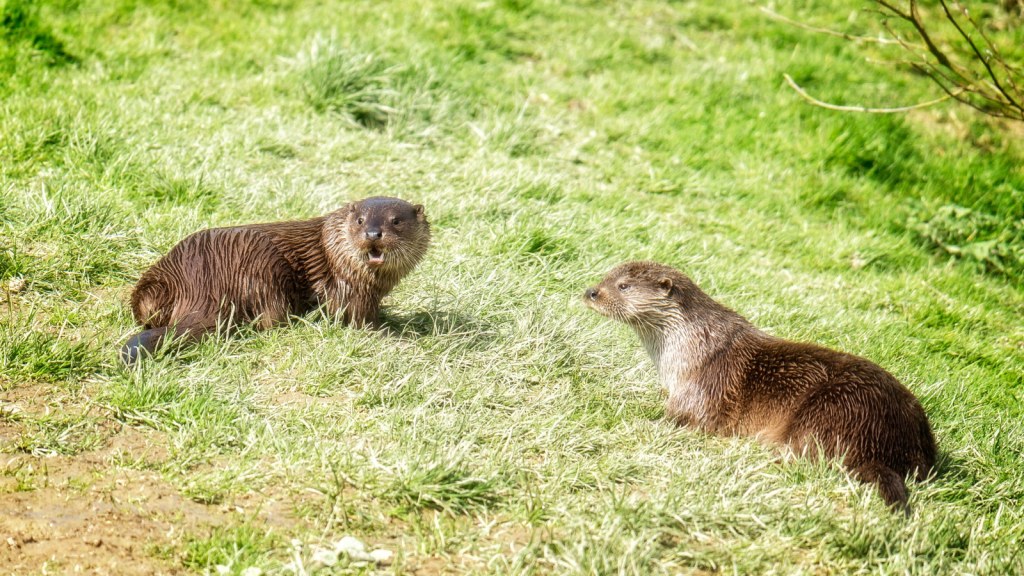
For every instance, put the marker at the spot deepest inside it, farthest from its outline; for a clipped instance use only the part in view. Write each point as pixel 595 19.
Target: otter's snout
pixel 591 294
pixel 374 234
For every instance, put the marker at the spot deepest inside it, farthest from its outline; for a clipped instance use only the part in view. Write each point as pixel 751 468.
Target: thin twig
pixel 817 102
pixel 984 61
pixel 979 77
pixel 934 73
pixel 967 80
pixel 993 49
pixel 778 16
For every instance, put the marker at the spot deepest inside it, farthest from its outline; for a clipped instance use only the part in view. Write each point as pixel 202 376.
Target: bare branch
pixel 817 102
pixel 915 20
pixel 998 87
pixel 778 16
pixel 994 51
pixel 934 74
pixel 895 10
pixel 969 71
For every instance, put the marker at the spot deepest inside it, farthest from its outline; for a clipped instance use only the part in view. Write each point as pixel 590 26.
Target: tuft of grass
pixel 33 350
pixel 233 548
pixel 356 86
pixel 440 480
pixel 57 434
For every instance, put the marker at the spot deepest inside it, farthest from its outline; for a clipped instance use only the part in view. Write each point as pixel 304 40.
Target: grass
pixel 510 430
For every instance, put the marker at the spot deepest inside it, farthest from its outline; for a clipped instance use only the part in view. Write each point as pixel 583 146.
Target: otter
pixel 262 273
pixel 725 376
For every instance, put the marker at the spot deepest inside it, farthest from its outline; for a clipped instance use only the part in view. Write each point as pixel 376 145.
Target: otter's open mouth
pixel 375 257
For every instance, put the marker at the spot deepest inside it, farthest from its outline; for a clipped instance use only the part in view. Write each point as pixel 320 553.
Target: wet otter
pixel 723 375
pixel 349 260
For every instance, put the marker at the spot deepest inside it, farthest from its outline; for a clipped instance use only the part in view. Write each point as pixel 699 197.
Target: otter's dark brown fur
pixel 723 375
pixel 349 260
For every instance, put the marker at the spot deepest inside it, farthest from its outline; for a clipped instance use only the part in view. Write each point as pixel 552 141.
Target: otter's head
pixel 641 294
pixel 388 234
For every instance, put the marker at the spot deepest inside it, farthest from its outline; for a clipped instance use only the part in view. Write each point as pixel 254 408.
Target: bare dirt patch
pixel 76 514
pixel 107 511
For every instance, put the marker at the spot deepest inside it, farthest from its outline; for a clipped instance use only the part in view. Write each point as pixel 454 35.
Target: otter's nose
pixel 591 293
pixel 374 234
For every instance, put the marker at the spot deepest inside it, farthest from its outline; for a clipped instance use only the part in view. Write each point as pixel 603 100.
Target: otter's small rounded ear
pixel 665 284
pixel 418 209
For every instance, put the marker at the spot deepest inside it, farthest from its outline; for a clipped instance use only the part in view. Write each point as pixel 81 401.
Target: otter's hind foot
pixel 890 485
pixel 143 343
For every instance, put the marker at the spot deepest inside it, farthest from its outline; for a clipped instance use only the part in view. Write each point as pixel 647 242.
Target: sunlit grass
pixel 509 430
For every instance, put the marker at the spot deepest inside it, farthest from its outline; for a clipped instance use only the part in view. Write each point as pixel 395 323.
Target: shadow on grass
pixel 472 333
pixel 430 328
pixel 982 483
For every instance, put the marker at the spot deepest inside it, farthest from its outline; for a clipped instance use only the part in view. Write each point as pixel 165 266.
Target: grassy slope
pixel 548 142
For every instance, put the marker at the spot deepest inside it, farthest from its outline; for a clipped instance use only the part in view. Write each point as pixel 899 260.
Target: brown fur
pixel 723 375
pixel 349 260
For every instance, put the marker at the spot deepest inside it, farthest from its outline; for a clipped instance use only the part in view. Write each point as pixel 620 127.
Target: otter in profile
pixel 725 376
pixel 262 273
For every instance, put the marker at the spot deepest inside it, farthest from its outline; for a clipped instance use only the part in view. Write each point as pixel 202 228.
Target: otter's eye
pixel 623 286
pixel 359 221
pixel 396 221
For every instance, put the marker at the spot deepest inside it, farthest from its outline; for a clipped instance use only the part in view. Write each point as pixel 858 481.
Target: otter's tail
pixel 890 485
pixel 148 341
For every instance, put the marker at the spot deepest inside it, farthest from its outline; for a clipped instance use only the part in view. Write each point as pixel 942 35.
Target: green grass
pixel 511 430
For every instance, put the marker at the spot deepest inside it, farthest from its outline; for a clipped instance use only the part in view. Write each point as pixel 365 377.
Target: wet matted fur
pixel 347 260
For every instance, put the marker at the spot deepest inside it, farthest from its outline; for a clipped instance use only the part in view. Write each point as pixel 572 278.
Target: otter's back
pixel 213 269
pixel 842 404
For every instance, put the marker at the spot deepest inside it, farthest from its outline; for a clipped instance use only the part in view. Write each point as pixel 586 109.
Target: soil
pixel 107 511
pixel 110 511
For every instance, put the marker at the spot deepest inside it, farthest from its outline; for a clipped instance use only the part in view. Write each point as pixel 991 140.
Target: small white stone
pixel 382 556
pixel 252 571
pixel 361 557
pixel 222 569
pixel 15 285
pixel 325 557
pixel 354 549
pixel 348 544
